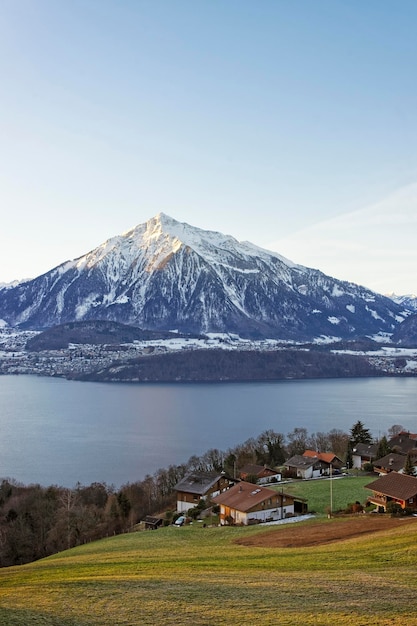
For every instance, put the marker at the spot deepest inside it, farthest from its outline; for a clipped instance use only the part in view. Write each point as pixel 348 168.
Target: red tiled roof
pixel 327 457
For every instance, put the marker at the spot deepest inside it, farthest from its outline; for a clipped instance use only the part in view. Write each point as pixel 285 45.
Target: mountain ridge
pixel 168 275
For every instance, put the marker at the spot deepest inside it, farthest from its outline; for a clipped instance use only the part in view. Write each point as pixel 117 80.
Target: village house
pixel 198 485
pixel 246 503
pixel 313 464
pixel 364 453
pixel 329 461
pixel 390 463
pixel 262 473
pixel 403 443
pixel 299 466
pixel 394 487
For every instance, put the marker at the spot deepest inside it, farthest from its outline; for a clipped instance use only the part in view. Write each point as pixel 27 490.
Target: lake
pixel 55 431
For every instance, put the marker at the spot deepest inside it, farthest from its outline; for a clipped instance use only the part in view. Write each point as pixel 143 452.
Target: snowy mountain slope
pixel 408 301
pixel 165 275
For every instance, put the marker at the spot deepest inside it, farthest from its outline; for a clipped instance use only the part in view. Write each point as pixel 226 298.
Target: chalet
pixel 394 487
pixel 198 485
pixel 403 443
pixel 246 503
pixel 300 466
pixel 390 463
pixel 364 453
pixel 262 473
pixel 328 460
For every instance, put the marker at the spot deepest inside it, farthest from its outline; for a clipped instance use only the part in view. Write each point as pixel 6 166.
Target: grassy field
pixel 345 490
pixel 199 576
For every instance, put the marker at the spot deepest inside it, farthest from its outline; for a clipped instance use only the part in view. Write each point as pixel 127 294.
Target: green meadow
pixel 341 492
pixel 199 576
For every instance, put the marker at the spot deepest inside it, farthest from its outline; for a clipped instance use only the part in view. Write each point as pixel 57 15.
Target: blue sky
pixel 288 123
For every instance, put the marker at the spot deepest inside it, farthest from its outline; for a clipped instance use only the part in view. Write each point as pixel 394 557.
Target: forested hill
pixel 223 365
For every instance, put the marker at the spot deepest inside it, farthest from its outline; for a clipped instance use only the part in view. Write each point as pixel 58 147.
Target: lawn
pixel 200 576
pixel 342 490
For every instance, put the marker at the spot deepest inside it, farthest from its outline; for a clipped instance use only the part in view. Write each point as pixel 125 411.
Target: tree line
pixel 37 521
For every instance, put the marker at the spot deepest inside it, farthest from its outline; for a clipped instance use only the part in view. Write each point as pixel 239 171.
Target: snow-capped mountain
pixel 408 301
pixel 166 275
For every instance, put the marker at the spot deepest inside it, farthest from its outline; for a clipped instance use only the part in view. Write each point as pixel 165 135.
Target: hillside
pixel 199 576
pixel 227 365
pixel 93 332
pixel 406 332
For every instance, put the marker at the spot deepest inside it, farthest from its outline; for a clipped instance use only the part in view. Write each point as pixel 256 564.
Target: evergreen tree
pixel 383 448
pixel 409 468
pixel 360 434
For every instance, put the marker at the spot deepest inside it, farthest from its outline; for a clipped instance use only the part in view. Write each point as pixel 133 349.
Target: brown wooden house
pixel 197 485
pixel 262 473
pixel 403 443
pixel 394 487
pixel 390 463
pixel 246 503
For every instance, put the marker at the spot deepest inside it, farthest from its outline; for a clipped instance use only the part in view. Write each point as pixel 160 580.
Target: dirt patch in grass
pixel 329 531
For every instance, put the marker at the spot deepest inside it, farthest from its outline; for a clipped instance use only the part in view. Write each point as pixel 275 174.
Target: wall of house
pixel 305 473
pixel 267 479
pixel 273 513
pixel 186 501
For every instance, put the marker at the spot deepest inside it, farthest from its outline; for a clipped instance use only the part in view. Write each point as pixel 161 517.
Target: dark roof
pixel 251 468
pixel 153 521
pixel 391 462
pixel 244 496
pixel 301 462
pixel 365 449
pixel 199 482
pixel 403 442
pixel 395 485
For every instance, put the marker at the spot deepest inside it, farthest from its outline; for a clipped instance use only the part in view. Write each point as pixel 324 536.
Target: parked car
pixel 180 521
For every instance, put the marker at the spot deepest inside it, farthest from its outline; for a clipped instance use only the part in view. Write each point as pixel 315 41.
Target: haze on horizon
pixel 290 125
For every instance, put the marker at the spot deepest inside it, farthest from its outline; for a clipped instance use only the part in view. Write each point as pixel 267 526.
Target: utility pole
pixel 331 492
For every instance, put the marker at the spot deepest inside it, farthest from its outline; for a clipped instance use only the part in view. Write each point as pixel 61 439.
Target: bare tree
pixel 339 441
pixel 395 430
pixel 297 441
pixel 320 442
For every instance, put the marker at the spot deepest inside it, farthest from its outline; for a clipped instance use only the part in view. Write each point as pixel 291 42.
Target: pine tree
pixel 383 448
pixel 360 434
pixel 409 468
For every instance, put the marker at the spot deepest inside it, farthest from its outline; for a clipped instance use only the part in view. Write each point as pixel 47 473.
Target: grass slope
pixel 200 576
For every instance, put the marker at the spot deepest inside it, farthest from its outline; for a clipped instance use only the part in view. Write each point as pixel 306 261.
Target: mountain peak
pixel 167 275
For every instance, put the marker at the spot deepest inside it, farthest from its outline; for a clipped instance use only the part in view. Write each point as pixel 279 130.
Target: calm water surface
pixel 55 431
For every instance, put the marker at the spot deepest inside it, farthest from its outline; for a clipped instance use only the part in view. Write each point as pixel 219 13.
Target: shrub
pixel 394 509
pixel 354 507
